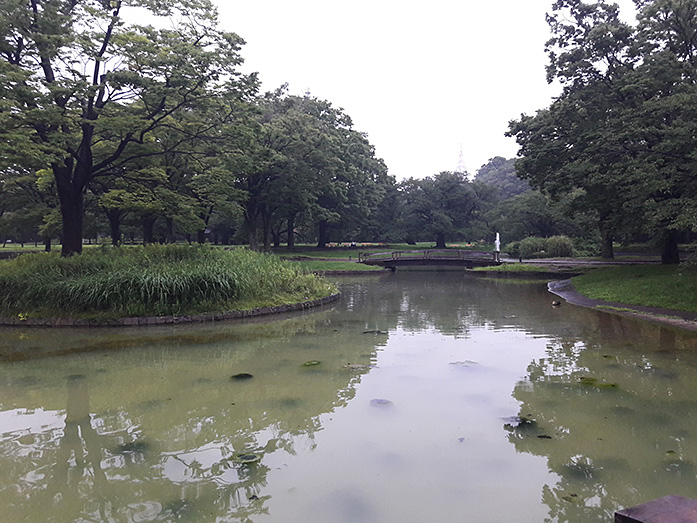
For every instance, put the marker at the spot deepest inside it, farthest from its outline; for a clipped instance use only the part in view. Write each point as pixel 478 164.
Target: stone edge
pixel 169 320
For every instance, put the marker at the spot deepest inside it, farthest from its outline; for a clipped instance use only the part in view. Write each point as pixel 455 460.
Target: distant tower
pixel 461 164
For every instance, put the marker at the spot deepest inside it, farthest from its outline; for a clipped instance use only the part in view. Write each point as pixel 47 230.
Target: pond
pixel 420 396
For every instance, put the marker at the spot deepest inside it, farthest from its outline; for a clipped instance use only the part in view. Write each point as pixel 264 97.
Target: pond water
pixel 420 396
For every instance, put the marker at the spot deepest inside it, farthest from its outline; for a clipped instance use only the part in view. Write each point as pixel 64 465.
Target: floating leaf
pixel 246 458
pixel 312 363
pixel 242 376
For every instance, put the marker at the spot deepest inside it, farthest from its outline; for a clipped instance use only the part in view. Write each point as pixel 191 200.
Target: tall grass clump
pixel 151 280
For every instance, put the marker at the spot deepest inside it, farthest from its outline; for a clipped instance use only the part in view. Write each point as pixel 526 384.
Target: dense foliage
pixel 141 133
pixel 621 137
pixel 149 281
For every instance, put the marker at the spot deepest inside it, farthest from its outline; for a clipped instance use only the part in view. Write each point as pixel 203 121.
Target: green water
pixel 419 397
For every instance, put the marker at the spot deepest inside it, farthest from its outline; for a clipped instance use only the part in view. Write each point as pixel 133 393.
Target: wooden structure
pixel 670 509
pixel 433 257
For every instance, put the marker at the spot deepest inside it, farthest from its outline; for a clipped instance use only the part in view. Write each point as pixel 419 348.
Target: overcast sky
pixel 422 79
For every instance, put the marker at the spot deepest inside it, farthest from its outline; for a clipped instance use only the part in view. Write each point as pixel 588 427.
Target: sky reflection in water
pixel 437 397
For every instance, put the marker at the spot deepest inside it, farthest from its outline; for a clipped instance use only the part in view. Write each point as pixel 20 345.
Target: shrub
pixel 513 249
pixel 533 247
pixel 559 247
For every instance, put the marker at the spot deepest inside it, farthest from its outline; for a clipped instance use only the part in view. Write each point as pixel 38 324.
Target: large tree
pixel 441 207
pixel 572 146
pixel 80 86
pixel 622 134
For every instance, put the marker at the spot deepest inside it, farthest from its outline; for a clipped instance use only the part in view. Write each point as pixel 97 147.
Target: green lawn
pixel 323 265
pixel 670 287
pixel 307 251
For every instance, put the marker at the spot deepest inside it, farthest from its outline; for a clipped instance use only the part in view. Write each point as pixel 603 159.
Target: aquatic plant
pixel 151 280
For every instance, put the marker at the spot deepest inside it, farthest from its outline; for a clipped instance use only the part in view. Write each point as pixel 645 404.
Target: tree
pixel 501 173
pixel 440 207
pixel 622 132
pixel 662 125
pixel 80 87
pixel 572 146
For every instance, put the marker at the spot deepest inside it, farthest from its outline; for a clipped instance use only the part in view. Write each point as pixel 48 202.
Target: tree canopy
pixel 84 93
pixel 620 137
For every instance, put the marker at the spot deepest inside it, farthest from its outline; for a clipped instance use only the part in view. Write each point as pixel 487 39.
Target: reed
pixel 151 280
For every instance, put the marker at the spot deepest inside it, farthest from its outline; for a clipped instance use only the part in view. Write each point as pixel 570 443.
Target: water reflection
pixel 475 395
pixel 154 428
pixel 614 412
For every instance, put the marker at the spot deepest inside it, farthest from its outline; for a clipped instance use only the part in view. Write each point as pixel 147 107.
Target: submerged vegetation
pixel 151 281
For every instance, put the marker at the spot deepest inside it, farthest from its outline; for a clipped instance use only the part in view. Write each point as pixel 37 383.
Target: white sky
pixel 420 78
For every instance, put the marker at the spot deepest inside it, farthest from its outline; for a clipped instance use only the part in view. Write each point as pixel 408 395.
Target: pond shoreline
pixel 165 320
pixel 672 317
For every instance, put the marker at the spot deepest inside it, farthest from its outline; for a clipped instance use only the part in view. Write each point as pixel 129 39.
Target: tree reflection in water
pixel 616 421
pixel 161 432
pixel 152 427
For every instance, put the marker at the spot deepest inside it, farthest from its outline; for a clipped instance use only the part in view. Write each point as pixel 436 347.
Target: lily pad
pixel 587 381
pixel 312 363
pixel 242 376
pixel 246 458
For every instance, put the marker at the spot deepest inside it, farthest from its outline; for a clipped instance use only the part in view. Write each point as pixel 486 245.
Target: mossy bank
pixel 110 283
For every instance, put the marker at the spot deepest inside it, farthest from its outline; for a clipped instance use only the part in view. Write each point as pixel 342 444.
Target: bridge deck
pixel 435 257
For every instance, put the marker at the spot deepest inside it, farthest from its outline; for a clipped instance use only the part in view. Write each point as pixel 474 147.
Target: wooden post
pixel 670 509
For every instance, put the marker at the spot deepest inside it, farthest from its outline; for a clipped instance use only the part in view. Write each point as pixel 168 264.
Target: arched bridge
pixel 436 257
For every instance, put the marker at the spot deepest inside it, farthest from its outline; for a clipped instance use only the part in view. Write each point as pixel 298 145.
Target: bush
pixel 533 247
pixel 559 247
pixel 586 248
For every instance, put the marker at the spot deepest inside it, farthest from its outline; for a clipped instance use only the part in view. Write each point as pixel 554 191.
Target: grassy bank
pixel 151 281
pixel 670 287
pixel 342 266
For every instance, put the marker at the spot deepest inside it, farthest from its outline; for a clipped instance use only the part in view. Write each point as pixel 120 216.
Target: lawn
pixel 665 286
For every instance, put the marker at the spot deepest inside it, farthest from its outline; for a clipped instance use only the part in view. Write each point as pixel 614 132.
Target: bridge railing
pixel 428 254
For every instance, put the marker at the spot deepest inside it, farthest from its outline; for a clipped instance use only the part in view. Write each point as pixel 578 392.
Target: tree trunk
pixel 266 229
pixel 148 229
pixel 47 243
pixel 251 219
pixel 170 229
pixel 72 212
pixel 201 236
pixel 669 248
pixel 290 231
pixel 322 234
pixel 440 240
pixel 606 249
pixel 114 216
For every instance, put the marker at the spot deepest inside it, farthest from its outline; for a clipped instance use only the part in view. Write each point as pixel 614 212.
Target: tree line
pixel 151 132
pixel 619 142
